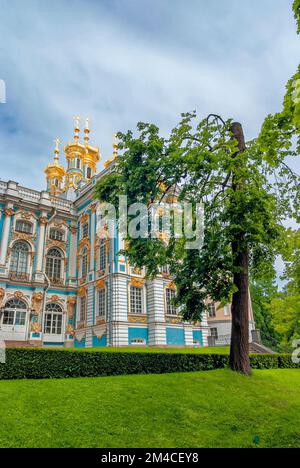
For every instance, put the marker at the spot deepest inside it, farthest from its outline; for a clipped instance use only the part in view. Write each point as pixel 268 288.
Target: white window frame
pixel 170 309
pixel 133 310
pixel 101 291
pixel 24 223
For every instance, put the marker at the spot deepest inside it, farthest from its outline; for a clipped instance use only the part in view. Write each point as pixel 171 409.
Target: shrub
pixel 54 363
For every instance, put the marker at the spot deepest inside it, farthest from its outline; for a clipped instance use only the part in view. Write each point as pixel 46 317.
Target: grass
pixel 205 409
pixel 144 349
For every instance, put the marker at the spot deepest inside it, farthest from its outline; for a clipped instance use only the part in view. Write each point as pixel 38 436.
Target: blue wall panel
pixel 97 342
pixel 137 334
pixel 175 336
pixel 197 337
pixel 79 344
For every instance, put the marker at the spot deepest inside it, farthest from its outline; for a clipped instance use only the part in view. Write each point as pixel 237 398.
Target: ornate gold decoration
pixel 171 285
pixel 100 284
pixel 137 271
pixel 54 298
pixel 26 215
pixel 43 220
pixel 84 218
pixel 137 282
pixel 23 236
pixel 71 301
pixel 137 318
pixel 36 302
pixel 8 212
pixel 69 330
pixel 57 243
pixel 81 292
pixel 94 207
pixel 36 327
pixel 100 321
pixel 18 294
pixel 2 295
pixel 173 321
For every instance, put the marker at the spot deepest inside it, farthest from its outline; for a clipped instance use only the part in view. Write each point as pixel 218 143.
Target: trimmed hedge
pixel 55 363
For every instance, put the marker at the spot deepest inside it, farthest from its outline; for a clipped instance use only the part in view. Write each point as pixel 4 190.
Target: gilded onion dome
pixel 55 173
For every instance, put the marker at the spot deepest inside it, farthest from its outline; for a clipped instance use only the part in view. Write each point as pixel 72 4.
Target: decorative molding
pixel 36 327
pixel 71 301
pixel 137 282
pixel 81 292
pixel 2 296
pixel 94 207
pixel 84 218
pixel 9 212
pixel 171 285
pixel 69 330
pixel 36 302
pixel 141 318
pixel 100 284
pixel 43 220
pixel 99 332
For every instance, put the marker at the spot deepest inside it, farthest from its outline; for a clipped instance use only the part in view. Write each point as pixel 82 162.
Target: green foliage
pixel 50 364
pixel 296 8
pixel 285 308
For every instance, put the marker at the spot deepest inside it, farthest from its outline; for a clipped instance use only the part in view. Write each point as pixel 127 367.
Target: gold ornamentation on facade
pixel 137 318
pixel 173 321
pixel 8 212
pixel 43 220
pixel 93 207
pixel 26 215
pixel 171 285
pixel 2 295
pixel 100 284
pixel 36 327
pixel 54 298
pixel 36 302
pixel 18 294
pixel 137 282
pixel 100 321
pixel 84 218
pixel 137 271
pixel 71 301
pixel 69 330
pixel 81 292
pixel 23 236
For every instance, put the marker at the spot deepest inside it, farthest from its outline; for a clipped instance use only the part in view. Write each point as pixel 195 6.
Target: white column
pixel 73 251
pixel 92 237
pixel 41 242
pixel 156 313
pixel 8 212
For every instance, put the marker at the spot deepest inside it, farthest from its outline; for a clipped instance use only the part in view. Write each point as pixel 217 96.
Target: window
pixel 82 309
pixel 14 313
pixel 227 310
pixel 136 300
pixel 89 173
pixel 214 333
pixel 54 264
pixel 102 255
pixel 84 263
pixel 165 269
pixel 53 319
pixel 211 310
pixel 19 259
pixel 85 230
pixel 56 234
pixel 170 295
pixel 101 302
pixel 23 226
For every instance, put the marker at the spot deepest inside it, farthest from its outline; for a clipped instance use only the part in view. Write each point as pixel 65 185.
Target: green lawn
pixel 205 409
pixel 142 349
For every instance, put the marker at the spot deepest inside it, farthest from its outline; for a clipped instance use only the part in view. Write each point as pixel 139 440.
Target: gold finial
pixel 57 143
pixel 115 145
pixel 86 130
pixel 77 128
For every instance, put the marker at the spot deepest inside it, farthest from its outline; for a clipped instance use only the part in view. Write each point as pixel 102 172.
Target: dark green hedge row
pixel 47 363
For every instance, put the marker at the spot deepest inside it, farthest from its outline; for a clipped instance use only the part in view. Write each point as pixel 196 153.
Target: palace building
pixel 62 285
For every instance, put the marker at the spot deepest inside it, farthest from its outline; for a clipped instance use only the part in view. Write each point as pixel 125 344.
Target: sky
pixel 123 61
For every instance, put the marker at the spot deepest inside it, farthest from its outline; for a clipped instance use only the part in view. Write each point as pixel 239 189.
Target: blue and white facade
pixel 61 285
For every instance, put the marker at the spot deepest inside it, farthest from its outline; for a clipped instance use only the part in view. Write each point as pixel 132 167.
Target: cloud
pixel 121 62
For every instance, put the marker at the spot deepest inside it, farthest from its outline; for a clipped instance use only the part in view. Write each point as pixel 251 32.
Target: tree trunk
pixel 239 349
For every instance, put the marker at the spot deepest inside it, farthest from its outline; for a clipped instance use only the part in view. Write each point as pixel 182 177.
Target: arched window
pixel 24 226
pixel 54 264
pixel 14 313
pixel 56 234
pixel 89 173
pixel 19 259
pixel 102 255
pixel 53 319
pixel 84 263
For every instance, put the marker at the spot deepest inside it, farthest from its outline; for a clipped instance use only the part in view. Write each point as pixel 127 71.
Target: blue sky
pixel 122 61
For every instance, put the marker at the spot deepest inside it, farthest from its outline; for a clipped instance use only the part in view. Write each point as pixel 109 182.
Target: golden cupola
pixel 55 173
pixel 115 152
pixel 82 158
